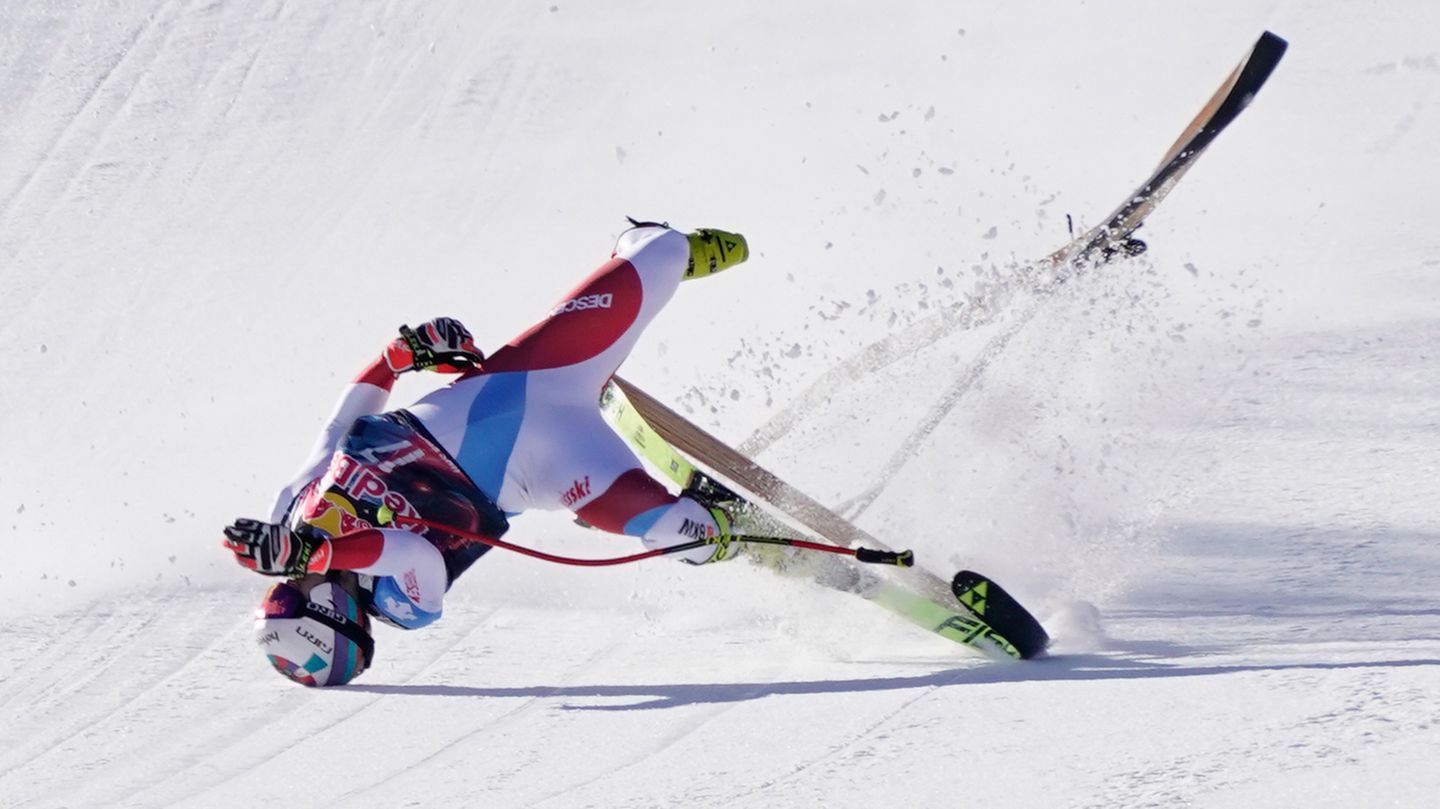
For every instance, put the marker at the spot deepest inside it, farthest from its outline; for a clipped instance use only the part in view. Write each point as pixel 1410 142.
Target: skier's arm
pixel 365 396
pixel 274 550
pixel 416 566
pixel 380 552
pixel 443 345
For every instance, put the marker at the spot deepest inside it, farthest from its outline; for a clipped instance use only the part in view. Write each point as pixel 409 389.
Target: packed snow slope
pixel 1211 471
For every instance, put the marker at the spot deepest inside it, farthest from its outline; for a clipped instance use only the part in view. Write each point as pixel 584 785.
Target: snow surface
pixel 1211 471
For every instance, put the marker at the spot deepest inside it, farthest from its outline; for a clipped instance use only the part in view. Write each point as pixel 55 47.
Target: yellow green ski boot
pixel 714 250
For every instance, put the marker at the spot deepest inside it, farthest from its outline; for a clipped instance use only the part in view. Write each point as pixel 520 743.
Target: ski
pixel 1008 633
pixel 988 600
pixel 665 439
pixel 1232 97
pixel 1110 240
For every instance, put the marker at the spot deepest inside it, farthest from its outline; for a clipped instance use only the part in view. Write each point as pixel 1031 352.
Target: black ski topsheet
pixel 999 609
pixel 1234 95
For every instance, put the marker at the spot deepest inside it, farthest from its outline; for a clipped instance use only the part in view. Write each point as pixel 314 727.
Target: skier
pixel 516 431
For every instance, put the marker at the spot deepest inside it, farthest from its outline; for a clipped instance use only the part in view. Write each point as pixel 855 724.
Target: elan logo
pixel 584 302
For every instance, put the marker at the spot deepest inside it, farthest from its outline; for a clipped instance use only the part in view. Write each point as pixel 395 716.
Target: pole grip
pixel 871 556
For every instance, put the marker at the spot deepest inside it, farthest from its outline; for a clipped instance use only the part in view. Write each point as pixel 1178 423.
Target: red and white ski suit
pixel 527 430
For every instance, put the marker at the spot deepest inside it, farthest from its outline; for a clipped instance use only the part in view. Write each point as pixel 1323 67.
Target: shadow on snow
pixel 1076 667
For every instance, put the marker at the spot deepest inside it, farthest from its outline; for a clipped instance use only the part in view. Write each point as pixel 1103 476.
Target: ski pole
pixel 865 555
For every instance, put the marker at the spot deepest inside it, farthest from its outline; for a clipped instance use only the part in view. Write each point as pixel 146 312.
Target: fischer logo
pixel 584 302
pixel 579 490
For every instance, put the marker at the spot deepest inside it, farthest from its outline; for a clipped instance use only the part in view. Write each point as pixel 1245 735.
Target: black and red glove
pixel 443 345
pixel 273 550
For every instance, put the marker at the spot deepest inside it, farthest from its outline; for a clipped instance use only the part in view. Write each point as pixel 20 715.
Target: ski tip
pixel 1272 45
pixel 1274 38
pixel 990 602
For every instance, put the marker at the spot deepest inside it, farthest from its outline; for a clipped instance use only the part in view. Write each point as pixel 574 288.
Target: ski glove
pixel 443 345
pixel 273 550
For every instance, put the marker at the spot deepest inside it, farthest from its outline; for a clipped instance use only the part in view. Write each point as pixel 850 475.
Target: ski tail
pixel 1097 245
pixel 1232 97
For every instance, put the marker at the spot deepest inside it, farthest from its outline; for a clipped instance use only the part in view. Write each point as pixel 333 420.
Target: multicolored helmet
pixel 317 635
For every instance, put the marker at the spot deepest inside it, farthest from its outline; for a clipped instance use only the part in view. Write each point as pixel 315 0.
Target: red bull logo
pixel 364 483
pixel 334 506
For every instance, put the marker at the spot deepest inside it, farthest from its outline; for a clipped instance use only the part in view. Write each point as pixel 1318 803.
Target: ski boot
pixel 712 251
pixel 726 508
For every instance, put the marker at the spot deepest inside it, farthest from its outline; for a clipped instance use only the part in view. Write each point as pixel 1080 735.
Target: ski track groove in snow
pixel 158 27
pixel 973 312
pixel 38 663
pixel 244 174
pixel 849 741
pixel 58 687
pixel 225 751
pixel 493 725
pixel 854 508
pixel 95 723
pixel 655 746
pixel 59 141
pixel 102 669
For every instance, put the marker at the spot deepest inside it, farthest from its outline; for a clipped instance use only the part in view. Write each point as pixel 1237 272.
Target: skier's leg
pixel 484 421
pixel 590 332
pixel 582 465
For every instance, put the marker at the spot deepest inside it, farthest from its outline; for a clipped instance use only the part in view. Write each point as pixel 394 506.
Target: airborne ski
pixel 1110 240
pixel 1233 96
pixel 985 617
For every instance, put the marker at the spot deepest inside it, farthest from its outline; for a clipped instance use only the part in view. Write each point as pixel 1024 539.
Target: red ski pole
pixel 865 555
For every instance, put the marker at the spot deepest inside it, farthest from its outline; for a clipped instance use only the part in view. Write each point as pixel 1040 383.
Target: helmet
pixel 316 634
